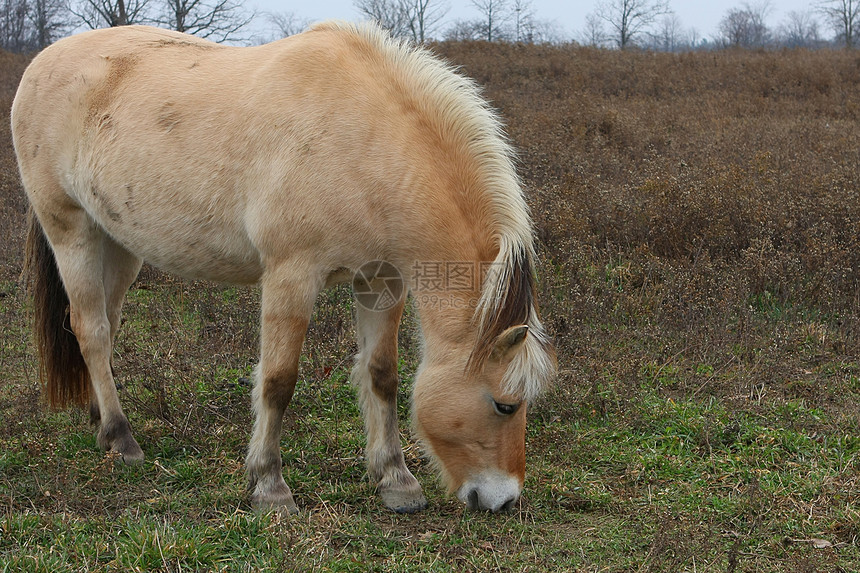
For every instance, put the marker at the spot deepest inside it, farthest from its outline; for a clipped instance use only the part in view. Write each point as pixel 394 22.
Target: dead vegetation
pixel 690 200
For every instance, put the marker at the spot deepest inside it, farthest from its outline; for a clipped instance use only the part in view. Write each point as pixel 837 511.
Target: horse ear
pixel 509 340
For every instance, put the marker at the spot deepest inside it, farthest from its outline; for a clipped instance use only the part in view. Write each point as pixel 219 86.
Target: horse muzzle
pixel 490 491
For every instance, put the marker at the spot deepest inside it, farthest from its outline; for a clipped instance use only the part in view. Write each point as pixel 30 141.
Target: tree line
pixel 29 25
pixel 652 24
pixel 743 26
pixel 649 24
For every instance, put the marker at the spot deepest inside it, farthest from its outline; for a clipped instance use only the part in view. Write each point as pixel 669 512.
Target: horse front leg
pixel 375 375
pixel 287 303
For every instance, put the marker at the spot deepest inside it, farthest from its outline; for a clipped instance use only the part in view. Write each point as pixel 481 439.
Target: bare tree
pixel 109 13
pixel 799 30
pixel 693 38
pixel 523 14
pixel 461 30
pixel 745 27
pixel 13 25
pixel 49 20
pixel 844 18
pixel 218 20
pixel 286 23
pixel 540 31
pixel 423 16
pixel 668 35
pixel 31 24
pixel 279 25
pixel 593 34
pixel 630 18
pixel 415 19
pixel 390 14
pixel 494 17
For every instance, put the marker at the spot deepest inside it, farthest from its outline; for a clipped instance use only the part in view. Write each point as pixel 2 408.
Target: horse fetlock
pixel 95 413
pixel 262 463
pixel 266 482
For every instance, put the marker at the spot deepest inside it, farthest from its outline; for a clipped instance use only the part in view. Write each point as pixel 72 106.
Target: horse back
pixel 216 162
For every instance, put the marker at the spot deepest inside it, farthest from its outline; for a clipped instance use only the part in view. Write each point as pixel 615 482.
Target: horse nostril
pixel 472 499
pixel 508 505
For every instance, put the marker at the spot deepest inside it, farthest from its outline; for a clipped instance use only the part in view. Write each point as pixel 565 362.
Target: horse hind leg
pixel 119 270
pixel 375 375
pixel 89 263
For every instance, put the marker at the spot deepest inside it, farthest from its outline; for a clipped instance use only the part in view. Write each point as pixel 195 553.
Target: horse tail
pixel 62 370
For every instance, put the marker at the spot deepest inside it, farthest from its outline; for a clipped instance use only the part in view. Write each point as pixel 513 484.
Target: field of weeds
pixel 699 225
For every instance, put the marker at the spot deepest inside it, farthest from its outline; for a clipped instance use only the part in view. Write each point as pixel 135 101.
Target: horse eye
pixel 505 409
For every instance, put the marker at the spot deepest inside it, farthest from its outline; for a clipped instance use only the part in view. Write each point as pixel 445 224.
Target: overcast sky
pixel 703 15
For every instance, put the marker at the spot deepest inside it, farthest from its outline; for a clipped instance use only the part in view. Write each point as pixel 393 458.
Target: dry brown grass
pixel 711 191
pixel 12 202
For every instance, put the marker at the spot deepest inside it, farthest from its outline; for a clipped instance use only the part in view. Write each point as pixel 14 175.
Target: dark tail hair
pixel 62 369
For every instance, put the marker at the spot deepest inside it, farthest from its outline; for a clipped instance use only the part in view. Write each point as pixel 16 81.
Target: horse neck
pixel 447 296
pixel 457 245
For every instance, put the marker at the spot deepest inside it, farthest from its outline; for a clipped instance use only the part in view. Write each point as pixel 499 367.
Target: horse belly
pixel 175 234
pixel 202 257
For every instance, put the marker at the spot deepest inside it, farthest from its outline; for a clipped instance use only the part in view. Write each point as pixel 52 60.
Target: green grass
pixel 661 481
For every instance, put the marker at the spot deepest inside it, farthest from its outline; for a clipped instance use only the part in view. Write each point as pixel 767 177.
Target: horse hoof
pixel 404 501
pixel 278 501
pixel 129 451
pixel 116 438
pixel 126 453
pixel 132 457
pixel 282 507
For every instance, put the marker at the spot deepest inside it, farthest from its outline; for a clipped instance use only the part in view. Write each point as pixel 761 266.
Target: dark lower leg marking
pixel 95 414
pixel 278 389
pixel 397 487
pixel 383 374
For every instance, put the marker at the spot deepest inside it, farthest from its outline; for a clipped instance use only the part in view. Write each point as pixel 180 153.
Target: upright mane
pixel 508 292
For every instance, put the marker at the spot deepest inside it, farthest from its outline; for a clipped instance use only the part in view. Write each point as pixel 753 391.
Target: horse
pixel 291 165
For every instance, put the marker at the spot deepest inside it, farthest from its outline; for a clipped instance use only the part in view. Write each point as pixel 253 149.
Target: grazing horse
pixel 291 165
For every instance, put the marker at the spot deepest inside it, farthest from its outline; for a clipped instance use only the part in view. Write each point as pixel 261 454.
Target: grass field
pixel 699 227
